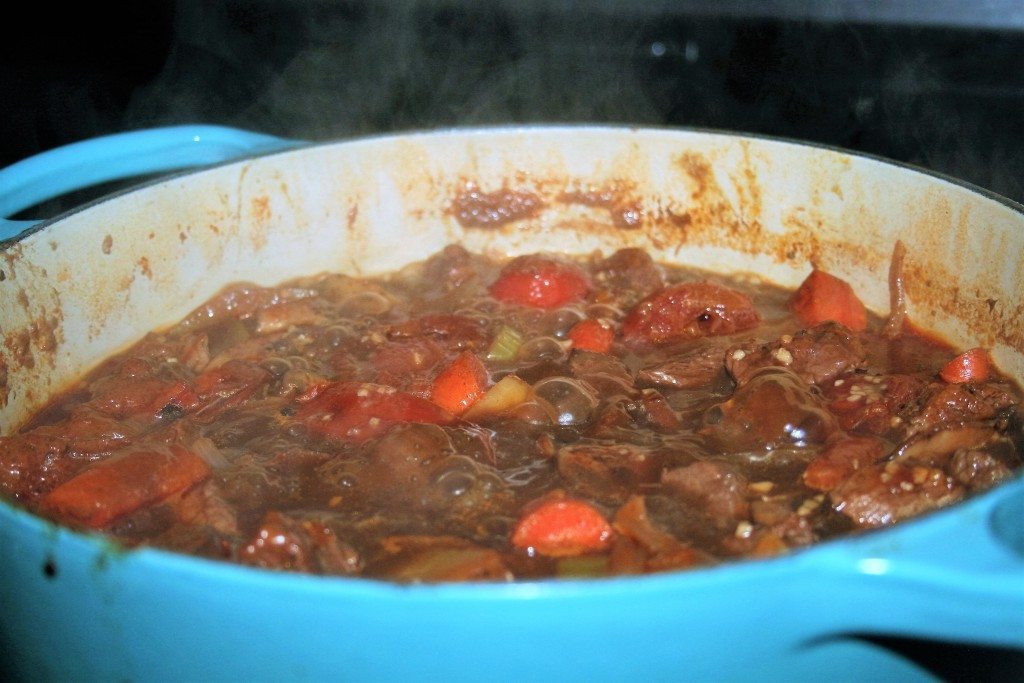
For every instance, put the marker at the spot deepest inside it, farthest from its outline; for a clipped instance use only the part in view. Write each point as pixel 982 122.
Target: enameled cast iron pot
pixel 80 287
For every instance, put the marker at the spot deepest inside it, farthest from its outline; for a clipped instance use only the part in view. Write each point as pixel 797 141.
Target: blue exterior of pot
pixel 74 607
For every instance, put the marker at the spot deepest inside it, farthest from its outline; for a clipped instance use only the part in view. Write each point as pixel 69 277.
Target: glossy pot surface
pixel 83 286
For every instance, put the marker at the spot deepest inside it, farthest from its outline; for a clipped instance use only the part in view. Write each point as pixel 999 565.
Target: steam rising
pixel 393 66
pixel 948 100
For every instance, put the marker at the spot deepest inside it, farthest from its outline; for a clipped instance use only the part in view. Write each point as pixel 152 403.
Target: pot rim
pixel 459 131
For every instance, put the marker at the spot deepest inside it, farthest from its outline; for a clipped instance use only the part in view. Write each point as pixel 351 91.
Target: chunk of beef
pixel 978 469
pixel 652 410
pixel 956 403
pixel 404 362
pixel 453 332
pixel 192 351
pixel 222 388
pixel 819 354
pixel 694 368
pixel 286 542
pixel 250 484
pixel 86 433
pixel 629 271
pixel 205 506
pixel 840 458
pixel 606 472
pixel 450 269
pixel 399 463
pixel 714 486
pixel 935 449
pixel 426 467
pixel 138 396
pixel 644 545
pixel 874 404
pixel 30 466
pixel 605 373
pixel 774 409
pixel 887 493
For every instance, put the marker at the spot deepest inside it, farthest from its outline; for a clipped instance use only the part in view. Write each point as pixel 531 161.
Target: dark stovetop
pixel 938 84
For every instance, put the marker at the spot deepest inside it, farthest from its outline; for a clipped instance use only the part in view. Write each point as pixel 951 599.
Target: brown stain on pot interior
pixel 19 348
pixel 351 218
pixel 473 207
pixel 260 207
pixel 33 330
pixel 711 218
pixel 617 197
pixel 952 248
pixel 261 213
pixel 749 187
pixel 107 245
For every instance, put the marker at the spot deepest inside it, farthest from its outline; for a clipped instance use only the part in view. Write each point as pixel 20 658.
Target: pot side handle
pixel 955 575
pixel 122 155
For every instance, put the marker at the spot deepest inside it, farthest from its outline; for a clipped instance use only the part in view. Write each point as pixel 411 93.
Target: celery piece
pixel 505 346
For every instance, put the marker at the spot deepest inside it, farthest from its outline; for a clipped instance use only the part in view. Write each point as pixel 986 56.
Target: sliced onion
pixel 208 451
pixel 897 294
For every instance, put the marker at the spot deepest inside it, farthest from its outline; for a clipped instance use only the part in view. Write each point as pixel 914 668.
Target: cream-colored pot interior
pixel 96 280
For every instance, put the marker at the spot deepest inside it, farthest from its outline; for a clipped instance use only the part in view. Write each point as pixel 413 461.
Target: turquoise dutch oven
pixel 73 606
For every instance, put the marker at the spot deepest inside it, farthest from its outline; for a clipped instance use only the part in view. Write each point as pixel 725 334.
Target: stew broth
pixel 471 418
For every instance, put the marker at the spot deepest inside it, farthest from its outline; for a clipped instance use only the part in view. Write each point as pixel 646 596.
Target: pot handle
pixel 121 155
pixel 955 575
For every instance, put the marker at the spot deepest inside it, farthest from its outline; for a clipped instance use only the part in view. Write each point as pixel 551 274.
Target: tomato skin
pixel 562 528
pixel 972 365
pixel 590 335
pixel 540 282
pixel 687 311
pixel 822 297
pixel 355 412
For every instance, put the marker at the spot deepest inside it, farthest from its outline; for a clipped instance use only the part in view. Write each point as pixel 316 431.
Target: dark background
pixel 935 83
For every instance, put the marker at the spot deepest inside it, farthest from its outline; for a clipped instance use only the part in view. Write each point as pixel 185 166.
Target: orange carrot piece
pixel 562 528
pixel 591 335
pixel 124 483
pixel 461 384
pixel 972 365
pixel 824 297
